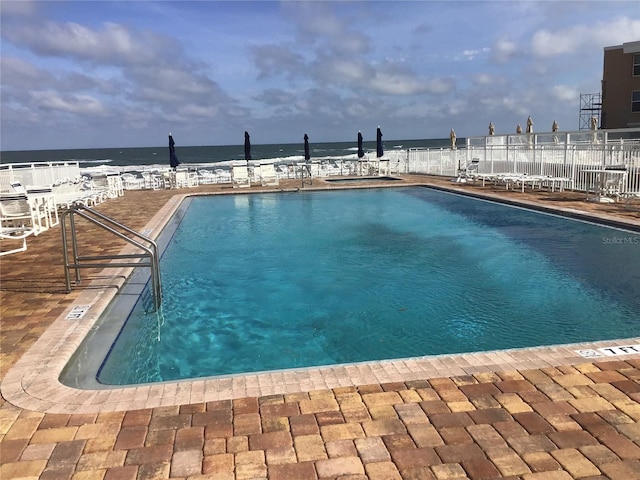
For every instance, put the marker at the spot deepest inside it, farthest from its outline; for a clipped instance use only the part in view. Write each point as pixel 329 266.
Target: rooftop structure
pixel 621 86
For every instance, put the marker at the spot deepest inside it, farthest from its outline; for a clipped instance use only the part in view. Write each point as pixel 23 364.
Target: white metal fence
pixel 557 154
pixel 37 174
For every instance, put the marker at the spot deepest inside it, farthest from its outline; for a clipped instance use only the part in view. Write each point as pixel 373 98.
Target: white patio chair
pixel 205 177
pixel 40 200
pixel 240 176
pixel 13 234
pixel 181 179
pixel 17 213
pixel 283 171
pixel 471 171
pixel 151 180
pixel 268 175
pixel 131 182
pixel 68 194
pixel 43 201
pixel 222 175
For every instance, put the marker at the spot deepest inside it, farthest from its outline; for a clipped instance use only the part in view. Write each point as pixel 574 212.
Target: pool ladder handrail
pixel 111 226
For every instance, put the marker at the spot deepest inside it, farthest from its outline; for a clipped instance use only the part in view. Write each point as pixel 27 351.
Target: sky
pixel 94 74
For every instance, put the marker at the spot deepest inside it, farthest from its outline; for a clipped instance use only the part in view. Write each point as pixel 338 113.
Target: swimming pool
pixel 272 281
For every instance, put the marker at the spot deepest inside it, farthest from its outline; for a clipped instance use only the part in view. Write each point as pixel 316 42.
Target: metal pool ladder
pixel 148 246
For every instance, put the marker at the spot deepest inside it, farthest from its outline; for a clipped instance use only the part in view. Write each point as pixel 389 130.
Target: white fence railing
pixel 37 174
pixel 564 155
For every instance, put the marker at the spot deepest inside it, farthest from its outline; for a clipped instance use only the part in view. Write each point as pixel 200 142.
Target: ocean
pixel 222 154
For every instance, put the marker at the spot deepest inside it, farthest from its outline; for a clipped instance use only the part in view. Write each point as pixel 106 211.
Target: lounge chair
pixel 44 204
pixel 282 171
pixel 17 213
pixel 205 177
pixel 268 175
pixel 132 182
pixel 240 176
pixel 152 180
pixel 69 194
pixel 222 175
pixel 41 202
pixel 470 172
pixel 628 198
pixel 15 233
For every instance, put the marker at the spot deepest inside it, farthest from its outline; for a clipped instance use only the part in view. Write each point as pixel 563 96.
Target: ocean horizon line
pixel 208 154
pixel 224 145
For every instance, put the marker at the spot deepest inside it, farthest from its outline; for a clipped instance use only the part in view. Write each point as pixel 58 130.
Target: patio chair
pixel 205 177
pixel 42 204
pixel 17 213
pixel 268 175
pixel 69 194
pixel 628 198
pixel 240 176
pixel 470 172
pixel 181 179
pixel 222 175
pixel 282 171
pixel 15 233
pixel 152 180
pixel 132 182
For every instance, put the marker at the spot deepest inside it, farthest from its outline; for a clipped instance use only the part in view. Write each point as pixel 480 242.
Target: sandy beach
pixel 539 414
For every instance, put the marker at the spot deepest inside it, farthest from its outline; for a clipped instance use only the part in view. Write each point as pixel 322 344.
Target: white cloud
pixel 113 44
pixel 546 43
pixel 504 50
pixel 566 93
pixel 317 23
pixel 485 79
pixel 397 84
pixel 17 8
pixel 77 104
pixel 472 54
pixel 274 60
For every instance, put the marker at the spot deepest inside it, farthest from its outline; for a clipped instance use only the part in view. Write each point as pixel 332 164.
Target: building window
pixel 636 65
pixel 635 101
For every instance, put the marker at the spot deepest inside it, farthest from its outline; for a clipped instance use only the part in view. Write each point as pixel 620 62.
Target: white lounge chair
pixel 628 198
pixel 240 176
pixel 152 180
pixel 470 172
pixel 41 202
pixel 205 177
pixel 17 213
pixel 222 175
pixel 283 171
pixel 13 234
pixel 185 179
pixel 69 194
pixel 132 182
pixel 268 175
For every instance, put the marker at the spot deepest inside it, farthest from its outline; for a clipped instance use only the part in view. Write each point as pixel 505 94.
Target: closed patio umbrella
pixel 360 149
pixel 247 147
pixel 307 155
pixel 379 149
pixel 173 158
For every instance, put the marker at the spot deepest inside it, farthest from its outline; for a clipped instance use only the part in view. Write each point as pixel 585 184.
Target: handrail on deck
pixel 111 226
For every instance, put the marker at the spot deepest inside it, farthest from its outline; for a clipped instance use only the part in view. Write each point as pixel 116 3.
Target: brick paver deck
pixel 531 414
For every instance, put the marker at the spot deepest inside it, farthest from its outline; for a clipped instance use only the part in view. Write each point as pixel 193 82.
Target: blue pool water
pixel 273 281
